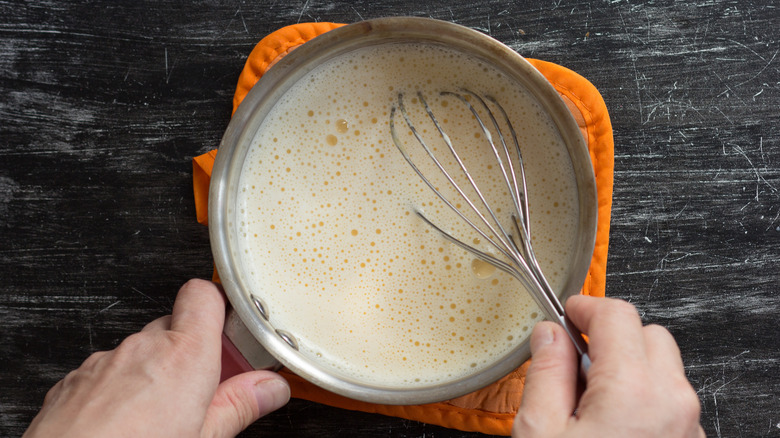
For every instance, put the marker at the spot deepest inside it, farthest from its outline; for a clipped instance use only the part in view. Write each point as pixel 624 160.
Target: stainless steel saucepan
pixel 250 323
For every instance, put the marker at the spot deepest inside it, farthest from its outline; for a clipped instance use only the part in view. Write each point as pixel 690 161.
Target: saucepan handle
pixel 240 350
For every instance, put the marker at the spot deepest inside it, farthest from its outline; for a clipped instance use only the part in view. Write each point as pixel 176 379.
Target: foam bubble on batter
pixel 330 233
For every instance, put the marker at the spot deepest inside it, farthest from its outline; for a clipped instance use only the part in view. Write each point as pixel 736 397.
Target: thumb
pixel 550 393
pixel 241 400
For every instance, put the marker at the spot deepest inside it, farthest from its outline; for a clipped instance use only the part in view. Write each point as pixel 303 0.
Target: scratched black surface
pixel 104 103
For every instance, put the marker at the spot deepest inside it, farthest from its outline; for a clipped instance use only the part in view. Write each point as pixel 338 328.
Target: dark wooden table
pixel 104 103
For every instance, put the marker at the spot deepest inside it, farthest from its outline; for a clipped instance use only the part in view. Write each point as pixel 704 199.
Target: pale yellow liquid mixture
pixel 331 241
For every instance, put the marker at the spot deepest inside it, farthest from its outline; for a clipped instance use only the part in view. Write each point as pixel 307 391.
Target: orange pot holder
pixel 489 410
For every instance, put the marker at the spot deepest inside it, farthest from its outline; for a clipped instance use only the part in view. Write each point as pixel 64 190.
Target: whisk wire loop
pixel 500 239
pixel 505 243
pixel 402 109
pixel 507 170
pixel 523 264
pixel 503 237
pixel 521 201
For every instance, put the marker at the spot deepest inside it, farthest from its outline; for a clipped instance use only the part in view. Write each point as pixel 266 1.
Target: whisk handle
pixel 579 342
pixel 584 364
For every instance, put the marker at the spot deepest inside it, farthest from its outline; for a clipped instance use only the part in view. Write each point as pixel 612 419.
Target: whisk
pixel 515 247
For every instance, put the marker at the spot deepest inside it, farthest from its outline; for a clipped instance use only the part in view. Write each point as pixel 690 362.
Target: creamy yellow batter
pixel 331 240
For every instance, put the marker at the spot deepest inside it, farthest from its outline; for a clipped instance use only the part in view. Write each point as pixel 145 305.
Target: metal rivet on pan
pixel 260 307
pixel 288 338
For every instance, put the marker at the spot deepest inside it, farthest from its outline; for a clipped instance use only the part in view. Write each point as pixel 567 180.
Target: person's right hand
pixel 636 385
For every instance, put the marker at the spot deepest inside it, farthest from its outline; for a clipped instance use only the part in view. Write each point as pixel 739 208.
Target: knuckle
pixel 690 405
pixel 143 343
pixel 133 346
pixel 684 407
pixel 71 378
pixel 656 330
pixel 93 359
pixel 133 342
pixel 623 307
pixel 618 310
pixel 136 346
pixel 53 393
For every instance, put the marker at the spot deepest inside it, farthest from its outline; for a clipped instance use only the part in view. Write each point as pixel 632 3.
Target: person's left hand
pixel 162 382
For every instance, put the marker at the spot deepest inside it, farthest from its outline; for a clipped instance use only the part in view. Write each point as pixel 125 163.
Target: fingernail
pixel 541 336
pixel 271 394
